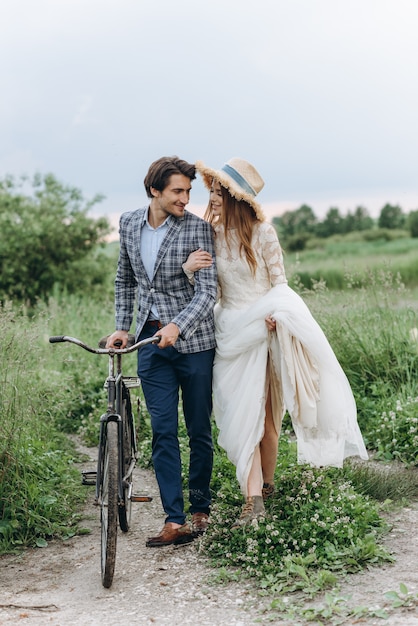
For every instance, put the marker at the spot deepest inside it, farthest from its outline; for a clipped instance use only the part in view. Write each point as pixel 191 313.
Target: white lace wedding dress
pixel 296 361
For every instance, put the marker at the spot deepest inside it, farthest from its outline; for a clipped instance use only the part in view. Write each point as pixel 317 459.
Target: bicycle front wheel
pixel 129 458
pixel 109 504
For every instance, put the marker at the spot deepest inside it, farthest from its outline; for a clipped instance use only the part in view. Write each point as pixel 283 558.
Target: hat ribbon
pixel 236 176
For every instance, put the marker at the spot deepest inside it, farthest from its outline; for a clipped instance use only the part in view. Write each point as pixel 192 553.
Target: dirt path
pixel 60 585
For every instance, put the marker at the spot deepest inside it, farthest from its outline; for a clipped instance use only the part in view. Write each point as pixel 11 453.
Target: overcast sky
pixel 321 95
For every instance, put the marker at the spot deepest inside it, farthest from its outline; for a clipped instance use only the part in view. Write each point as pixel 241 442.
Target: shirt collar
pixel 146 222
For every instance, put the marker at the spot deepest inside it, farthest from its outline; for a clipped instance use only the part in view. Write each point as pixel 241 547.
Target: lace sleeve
pixel 272 254
pixel 189 274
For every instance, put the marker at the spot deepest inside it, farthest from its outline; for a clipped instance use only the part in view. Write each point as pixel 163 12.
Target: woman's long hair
pixel 239 215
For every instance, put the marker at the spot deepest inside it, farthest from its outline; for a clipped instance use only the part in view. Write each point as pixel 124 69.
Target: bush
pixel 316 525
pixel 47 238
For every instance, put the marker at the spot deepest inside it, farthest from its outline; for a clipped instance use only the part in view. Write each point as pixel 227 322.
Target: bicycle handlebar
pixel 78 342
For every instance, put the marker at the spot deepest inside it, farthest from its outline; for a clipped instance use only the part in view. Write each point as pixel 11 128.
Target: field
pixel 340 261
pixel 369 312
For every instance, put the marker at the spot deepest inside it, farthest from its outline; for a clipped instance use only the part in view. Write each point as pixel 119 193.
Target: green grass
pixel 338 258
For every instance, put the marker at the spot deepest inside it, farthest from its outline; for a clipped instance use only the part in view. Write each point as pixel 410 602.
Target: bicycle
pixel 117 453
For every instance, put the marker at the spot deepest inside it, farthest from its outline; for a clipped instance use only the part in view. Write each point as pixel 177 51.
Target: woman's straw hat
pixel 240 178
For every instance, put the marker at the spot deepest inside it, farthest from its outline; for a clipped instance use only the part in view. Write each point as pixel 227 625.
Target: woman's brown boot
pixel 252 509
pixel 267 491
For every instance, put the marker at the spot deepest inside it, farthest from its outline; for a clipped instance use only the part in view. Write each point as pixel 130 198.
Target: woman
pixel 271 354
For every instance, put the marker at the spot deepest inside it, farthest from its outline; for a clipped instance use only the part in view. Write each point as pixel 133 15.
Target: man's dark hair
pixel 160 171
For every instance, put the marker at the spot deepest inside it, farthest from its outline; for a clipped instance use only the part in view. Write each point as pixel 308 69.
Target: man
pixel 154 243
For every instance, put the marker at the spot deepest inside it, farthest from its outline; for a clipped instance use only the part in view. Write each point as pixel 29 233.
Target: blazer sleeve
pixel 205 287
pixel 125 282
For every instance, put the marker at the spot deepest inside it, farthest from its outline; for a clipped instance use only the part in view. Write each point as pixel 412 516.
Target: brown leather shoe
pixel 170 535
pixel 200 523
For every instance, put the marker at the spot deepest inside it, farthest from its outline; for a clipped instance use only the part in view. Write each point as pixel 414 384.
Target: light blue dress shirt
pixel 151 239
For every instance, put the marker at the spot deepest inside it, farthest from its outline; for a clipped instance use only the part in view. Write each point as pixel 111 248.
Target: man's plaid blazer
pixel 189 307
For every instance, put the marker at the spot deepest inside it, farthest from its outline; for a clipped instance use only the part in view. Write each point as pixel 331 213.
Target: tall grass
pixel 371 329
pixel 78 374
pixel 338 257
pixel 45 389
pixel 38 493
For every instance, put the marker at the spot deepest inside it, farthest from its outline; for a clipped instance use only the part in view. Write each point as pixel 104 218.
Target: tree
pixel 302 220
pixel 413 223
pixel 306 220
pixel 391 216
pixel 333 224
pixel 361 219
pixel 46 237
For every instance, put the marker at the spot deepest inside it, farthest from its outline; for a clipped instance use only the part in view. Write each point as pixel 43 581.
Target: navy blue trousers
pixel 163 373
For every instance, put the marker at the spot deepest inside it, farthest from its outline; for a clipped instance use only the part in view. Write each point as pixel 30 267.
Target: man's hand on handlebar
pixel 168 334
pixel 118 339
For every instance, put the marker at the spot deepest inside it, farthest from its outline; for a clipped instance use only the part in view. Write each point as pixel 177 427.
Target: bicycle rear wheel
pixel 129 458
pixel 109 504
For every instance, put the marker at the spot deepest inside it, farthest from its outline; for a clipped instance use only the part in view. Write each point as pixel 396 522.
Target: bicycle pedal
pixel 88 478
pixel 137 498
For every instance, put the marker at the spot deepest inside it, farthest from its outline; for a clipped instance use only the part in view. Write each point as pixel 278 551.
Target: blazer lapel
pixel 137 230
